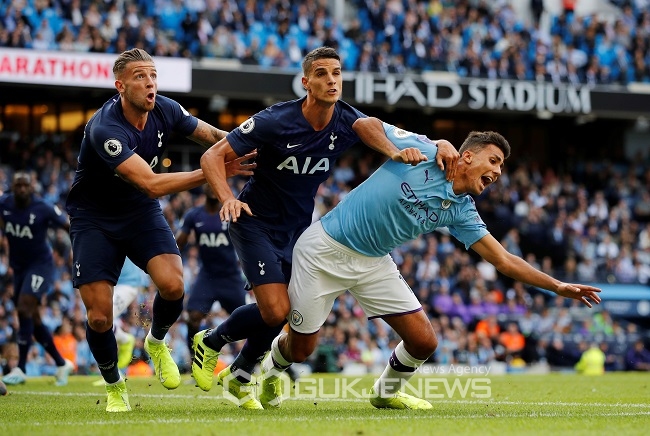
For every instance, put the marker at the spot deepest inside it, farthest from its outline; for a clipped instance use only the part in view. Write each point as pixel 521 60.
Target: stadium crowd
pixel 473 38
pixel 587 225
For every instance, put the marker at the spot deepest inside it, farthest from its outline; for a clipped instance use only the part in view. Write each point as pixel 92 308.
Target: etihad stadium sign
pixel 477 94
pixel 435 91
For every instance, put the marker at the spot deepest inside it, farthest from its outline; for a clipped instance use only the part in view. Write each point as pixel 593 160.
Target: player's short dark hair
pixel 318 53
pixel 478 140
pixel 133 55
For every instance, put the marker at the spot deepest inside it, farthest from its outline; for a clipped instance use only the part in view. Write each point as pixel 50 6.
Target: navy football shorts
pixel 264 254
pixel 99 246
pixel 37 280
pixel 227 290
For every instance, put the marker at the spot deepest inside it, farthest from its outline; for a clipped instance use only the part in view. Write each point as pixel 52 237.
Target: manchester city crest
pixel 296 317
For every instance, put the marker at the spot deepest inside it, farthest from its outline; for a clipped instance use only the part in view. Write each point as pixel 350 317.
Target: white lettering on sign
pixel 84 69
pixel 444 92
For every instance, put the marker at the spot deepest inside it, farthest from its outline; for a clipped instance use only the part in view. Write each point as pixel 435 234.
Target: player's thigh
pixel 314 282
pixel 381 291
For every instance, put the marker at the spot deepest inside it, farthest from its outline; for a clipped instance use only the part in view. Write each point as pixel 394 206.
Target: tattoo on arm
pixel 207 135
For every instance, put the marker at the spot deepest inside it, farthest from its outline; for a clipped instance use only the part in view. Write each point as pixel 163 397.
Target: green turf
pixel 615 404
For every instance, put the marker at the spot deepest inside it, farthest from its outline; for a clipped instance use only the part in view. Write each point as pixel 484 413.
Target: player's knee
pixel 194 319
pixel 432 344
pixel 27 307
pixel 99 322
pixel 273 319
pixel 25 311
pixel 300 352
pixel 276 314
pixel 171 289
pixel 422 346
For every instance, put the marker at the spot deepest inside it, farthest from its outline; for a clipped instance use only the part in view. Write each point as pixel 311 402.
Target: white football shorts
pixel 323 269
pixel 123 296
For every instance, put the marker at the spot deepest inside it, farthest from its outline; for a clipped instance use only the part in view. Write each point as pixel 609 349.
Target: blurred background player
pixel 220 277
pixel 132 279
pixel 25 220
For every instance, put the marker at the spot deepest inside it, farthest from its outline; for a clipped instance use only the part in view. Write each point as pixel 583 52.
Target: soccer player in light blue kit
pixel 349 249
pixel 298 143
pixel 25 220
pixel 131 280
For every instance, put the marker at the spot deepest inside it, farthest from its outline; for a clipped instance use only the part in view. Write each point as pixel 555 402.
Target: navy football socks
pixel 24 339
pixel 242 323
pixel 104 349
pixel 165 314
pixel 44 337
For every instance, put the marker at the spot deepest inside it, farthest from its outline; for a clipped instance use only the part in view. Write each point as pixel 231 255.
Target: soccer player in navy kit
pixel 348 249
pixel 114 213
pixel 298 143
pixel 220 277
pixel 25 220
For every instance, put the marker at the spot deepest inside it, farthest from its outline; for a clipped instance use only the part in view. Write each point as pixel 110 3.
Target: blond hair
pixel 133 55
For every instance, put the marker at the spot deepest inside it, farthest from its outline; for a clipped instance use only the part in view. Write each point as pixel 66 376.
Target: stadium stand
pixel 605 44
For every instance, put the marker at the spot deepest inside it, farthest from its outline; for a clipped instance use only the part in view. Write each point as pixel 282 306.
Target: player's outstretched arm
pixel 138 172
pixel 371 132
pixel 517 268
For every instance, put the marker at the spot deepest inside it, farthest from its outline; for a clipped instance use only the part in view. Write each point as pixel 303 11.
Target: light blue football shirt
pixel 398 202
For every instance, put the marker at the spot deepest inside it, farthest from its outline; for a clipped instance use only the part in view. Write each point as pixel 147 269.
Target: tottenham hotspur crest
pixel 332 138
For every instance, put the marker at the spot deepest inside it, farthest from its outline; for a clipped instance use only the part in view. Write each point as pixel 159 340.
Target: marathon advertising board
pixel 92 70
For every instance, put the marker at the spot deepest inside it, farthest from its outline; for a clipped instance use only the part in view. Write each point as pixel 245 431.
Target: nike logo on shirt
pixel 293 145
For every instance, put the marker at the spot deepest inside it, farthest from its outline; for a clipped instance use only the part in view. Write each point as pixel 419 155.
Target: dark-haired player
pixel 220 277
pixel 298 143
pixel 25 219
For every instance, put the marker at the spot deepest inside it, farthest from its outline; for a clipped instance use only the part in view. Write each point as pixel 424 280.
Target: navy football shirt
pixel 216 252
pixel 26 230
pixel 293 160
pixel 109 139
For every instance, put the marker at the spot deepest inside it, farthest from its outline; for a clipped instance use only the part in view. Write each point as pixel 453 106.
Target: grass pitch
pixel 614 404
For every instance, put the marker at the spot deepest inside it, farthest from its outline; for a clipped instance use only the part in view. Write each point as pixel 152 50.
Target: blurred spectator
pixel 512 340
pixel 637 357
pixel 592 361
